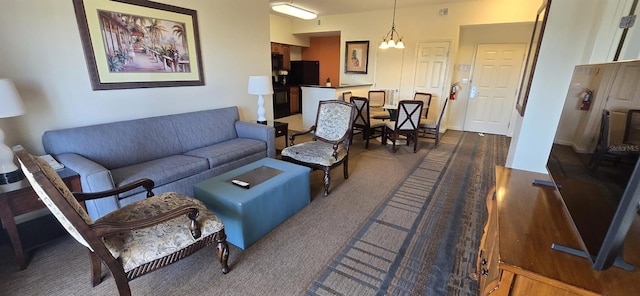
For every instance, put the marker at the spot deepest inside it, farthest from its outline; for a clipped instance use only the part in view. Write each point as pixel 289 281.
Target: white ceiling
pixel 328 7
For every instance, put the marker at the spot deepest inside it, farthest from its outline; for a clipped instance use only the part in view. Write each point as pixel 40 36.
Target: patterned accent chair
pixel 331 138
pixel 406 125
pixel 370 128
pixel 135 239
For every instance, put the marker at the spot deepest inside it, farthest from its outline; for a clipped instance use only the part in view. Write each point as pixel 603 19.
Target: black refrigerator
pixel 304 72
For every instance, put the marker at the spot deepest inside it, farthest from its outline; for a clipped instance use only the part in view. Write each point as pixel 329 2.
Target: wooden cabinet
pixel 284 50
pixel 276 48
pixel 286 57
pixel 515 255
pixel 294 99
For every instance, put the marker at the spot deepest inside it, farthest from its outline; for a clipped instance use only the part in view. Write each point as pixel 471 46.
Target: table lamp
pixel 260 85
pixel 10 106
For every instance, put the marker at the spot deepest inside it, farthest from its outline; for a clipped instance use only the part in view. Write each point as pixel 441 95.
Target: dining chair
pixel 632 127
pixel 377 99
pixel 426 99
pixel 431 128
pixel 406 124
pixel 330 142
pixel 610 145
pixel 133 240
pixel 370 128
pixel 346 96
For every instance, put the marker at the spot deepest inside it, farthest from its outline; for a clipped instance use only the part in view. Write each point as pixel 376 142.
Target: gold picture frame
pixel 139 43
pixel 532 56
pixel 356 57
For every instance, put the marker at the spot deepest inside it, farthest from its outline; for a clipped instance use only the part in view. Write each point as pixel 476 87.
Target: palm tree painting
pixel 136 43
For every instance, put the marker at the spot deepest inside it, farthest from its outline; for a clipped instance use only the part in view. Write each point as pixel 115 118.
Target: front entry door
pixel 496 73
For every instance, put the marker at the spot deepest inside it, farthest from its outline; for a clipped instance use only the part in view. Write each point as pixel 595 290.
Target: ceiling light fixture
pixel 292 10
pixel 391 43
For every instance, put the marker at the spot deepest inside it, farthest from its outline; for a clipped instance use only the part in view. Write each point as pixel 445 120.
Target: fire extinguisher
pixel 454 90
pixel 586 99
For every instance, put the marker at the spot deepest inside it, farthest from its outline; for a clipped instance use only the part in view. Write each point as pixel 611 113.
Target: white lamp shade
pixel 260 85
pixel 10 102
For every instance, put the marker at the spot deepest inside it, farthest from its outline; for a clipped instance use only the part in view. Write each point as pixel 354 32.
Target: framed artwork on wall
pixel 532 56
pixel 356 57
pixel 139 43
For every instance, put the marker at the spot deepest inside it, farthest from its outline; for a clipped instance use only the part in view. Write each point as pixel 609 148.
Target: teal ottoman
pixel 249 214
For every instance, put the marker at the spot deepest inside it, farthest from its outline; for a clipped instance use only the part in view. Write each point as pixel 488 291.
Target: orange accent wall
pixel 327 51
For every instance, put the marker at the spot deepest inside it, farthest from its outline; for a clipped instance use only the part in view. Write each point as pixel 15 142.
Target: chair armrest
pixel 261 132
pixel 146 183
pixel 106 228
pixel 293 136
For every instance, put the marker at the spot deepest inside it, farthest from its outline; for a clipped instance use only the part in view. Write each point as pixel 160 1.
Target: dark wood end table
pixel 19 198
pixel 282 129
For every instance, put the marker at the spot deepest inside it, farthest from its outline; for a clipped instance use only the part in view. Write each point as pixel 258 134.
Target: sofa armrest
pixel 259 132
pixel 93 177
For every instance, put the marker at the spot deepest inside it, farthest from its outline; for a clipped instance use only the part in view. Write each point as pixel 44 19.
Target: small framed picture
pixel 356 57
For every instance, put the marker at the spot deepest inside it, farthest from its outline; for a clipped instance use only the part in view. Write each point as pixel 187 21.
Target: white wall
pixel 42 53
pixel 569 31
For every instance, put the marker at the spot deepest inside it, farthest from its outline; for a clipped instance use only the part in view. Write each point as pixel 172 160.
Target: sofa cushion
pixel 161 171
pixel 203 128
pixel 228 151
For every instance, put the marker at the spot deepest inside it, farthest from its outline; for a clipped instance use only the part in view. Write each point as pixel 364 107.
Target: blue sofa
pixel 175 151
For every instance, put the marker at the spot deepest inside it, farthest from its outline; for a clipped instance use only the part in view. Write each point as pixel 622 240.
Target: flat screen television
pixel 601 202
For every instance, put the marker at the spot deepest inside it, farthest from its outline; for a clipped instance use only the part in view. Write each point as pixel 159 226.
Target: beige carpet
pixel 283 262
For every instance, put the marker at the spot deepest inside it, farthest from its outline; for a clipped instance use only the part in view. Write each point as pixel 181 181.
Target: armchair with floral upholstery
pixel 135 239
pixel 331 138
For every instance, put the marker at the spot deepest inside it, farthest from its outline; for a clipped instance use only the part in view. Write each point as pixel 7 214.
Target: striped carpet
pixel 423 239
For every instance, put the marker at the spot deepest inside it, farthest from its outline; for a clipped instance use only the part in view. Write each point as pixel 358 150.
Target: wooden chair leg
pixel 345 167
pixel 122 283
pixel 415 142
pixel 222 250
pixel 327 180
pixel 96 268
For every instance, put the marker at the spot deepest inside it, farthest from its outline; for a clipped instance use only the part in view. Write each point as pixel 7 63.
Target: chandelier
pixel 391 43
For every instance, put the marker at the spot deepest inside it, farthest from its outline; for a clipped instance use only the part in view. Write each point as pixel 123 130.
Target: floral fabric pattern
pixel 317 152
pixel 137 247
pixel 56 181
pixel 334 121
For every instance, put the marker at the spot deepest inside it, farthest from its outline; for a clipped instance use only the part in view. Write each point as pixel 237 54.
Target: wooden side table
pixel 282 129
pixel 19 198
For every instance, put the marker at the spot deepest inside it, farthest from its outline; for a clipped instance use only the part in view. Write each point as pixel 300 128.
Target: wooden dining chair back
pixel 369 128
pixel 430 128
pixel 135 239
pixel 632 128
pixel 611 145
pixel 377 99
pixel 330 141
pixel 406 124
pixel 426 99
pixel 346 96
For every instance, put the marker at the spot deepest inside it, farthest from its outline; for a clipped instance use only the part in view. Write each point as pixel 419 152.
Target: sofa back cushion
pixel 203 128
pixel 117 144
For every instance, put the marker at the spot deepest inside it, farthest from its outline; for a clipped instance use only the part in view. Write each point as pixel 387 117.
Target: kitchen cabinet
pixel 284 50
pixel 294 98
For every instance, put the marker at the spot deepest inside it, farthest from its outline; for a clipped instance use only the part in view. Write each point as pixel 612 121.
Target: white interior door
pixel 431 68
pixel 496 73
